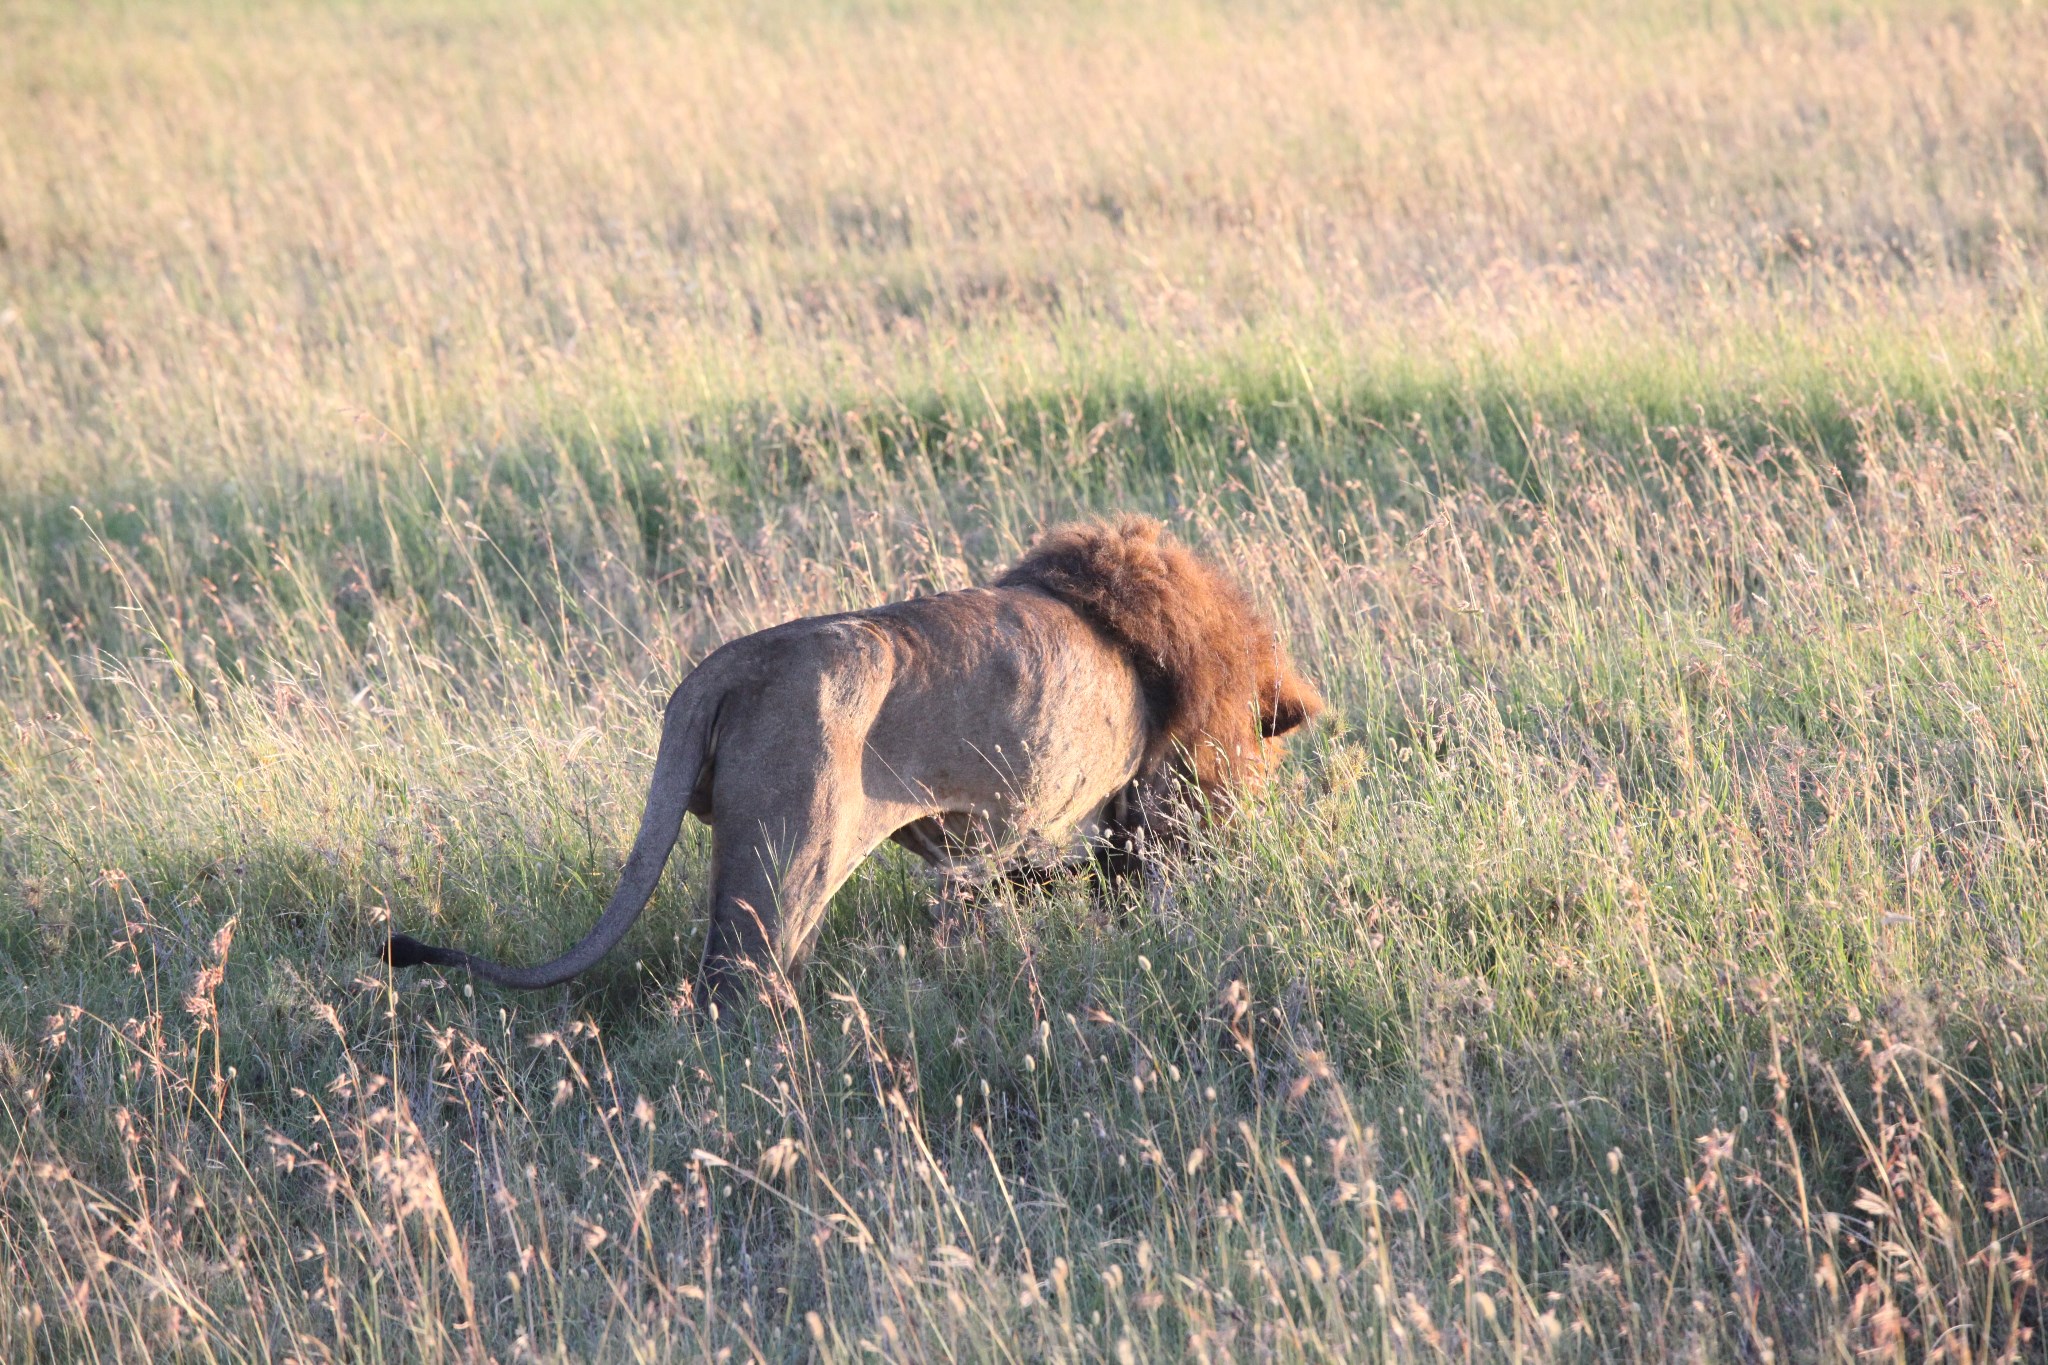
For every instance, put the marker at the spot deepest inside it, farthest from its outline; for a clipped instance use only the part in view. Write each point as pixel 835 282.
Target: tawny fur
pixel 991 727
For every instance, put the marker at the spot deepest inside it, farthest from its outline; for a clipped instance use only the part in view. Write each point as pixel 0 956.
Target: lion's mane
pixel 1214 678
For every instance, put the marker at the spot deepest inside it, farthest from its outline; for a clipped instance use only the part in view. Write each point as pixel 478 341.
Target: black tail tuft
pixel 404 951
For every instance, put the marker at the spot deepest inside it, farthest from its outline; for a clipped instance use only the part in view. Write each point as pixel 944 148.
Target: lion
pixel 1104 693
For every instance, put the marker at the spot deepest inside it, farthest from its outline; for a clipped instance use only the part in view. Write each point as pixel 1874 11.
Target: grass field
pixel 1635 416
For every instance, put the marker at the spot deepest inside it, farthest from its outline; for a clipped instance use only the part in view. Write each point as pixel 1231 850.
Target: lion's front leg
pixel 1122 843
pixel 1134 834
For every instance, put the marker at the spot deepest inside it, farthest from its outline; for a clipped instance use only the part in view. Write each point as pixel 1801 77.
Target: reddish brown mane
pixel 1212 669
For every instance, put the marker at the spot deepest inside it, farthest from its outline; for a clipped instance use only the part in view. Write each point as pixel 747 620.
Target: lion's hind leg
pixel 772 881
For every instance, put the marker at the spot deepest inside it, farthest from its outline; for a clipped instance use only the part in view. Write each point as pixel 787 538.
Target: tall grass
pixel 1633 423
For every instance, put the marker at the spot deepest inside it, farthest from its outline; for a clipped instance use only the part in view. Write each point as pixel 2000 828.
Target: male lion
pixel 1111 677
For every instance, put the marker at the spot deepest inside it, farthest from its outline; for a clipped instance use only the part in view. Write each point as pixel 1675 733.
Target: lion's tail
pixel 687 740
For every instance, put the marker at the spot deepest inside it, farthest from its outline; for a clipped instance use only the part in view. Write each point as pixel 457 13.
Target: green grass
pixel 1636 430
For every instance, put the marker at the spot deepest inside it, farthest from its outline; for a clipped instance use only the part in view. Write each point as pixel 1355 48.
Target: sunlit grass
pixel 1633 422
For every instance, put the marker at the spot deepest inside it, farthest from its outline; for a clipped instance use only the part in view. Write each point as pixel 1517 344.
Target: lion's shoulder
pixel 1200 645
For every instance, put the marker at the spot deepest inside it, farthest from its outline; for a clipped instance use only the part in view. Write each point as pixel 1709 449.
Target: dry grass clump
pixel 1634 427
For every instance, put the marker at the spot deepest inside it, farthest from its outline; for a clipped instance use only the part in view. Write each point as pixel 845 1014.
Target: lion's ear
pixel 1291 705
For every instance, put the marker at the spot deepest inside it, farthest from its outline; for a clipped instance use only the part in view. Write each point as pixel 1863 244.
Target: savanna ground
pixel 1635 420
